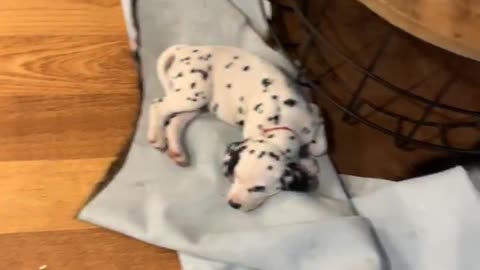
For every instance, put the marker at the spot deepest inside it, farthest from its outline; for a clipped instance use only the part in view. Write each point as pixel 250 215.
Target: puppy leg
pixel 154 127
pixel 162 110
pixel 175 134
pixel 318 145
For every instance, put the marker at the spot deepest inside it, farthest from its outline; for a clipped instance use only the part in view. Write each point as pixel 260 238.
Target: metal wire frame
pixel 405 140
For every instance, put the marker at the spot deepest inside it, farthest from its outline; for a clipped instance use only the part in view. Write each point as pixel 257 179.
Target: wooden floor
pixel 68 99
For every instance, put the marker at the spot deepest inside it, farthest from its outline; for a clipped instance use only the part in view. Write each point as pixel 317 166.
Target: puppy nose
pixel 234 205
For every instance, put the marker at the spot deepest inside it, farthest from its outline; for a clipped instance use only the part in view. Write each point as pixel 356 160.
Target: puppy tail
pixel 164 62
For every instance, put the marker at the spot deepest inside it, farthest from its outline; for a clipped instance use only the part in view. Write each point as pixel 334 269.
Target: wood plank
pixel 63 98
pixel 81 250
pixel 66 65
pixel 46 195
pixel 68 101
pixel 65 127
pixel 61 17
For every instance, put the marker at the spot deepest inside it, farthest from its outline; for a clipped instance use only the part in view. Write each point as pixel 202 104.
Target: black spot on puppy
pixel 177 90
pixel 167 123
pixel 179 75
pixel 274 156
pixel 295 178
pixel 209 68
pixel 233 151
pixel 270 167
pixel 184 59
pixel 235 57
pixel 271 136
pixel 292 138
pixel 192 99
pixel 257 107
pixel 290 102
pixel 197 94
pixel 229 85
pixel 275 119
pixel 266 82
pixel 227 66
pixel 195 51
pixel 288 150
pixel 246 68
pixel 240 110
pixel 240 123
pixel 260 127
pixel 205 57
pixel 201 71
pixel 261 154
pixel 257 189
pixel 252 151
pixel 192 85
pixel 274 96
pixel 241 99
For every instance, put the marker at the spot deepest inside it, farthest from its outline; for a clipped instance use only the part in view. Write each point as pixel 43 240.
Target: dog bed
pixel 419 224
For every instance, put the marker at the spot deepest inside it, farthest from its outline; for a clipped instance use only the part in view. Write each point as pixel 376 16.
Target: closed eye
pixel 257 189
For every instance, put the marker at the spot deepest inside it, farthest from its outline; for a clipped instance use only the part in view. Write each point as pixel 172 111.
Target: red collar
pixel 267 130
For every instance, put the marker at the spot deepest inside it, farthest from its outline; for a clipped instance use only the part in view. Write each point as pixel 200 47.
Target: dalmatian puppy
pixel 283 133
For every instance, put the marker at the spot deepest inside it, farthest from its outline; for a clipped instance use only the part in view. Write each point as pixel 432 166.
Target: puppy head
pixel 258 171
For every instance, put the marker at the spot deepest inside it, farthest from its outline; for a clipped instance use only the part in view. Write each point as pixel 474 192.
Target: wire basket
pixel 380 76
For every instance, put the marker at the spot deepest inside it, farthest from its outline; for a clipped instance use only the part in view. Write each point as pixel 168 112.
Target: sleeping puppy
pixel 282 131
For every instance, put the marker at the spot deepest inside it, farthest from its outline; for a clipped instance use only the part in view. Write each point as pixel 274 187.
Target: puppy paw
pixel 173 154
pixel 317 147
pixel 179 158
pixel 151 136
pixel 162 146
pixel 183 163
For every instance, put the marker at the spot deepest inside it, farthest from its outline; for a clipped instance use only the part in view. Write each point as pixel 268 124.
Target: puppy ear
pixel 296 178
pixel 232 156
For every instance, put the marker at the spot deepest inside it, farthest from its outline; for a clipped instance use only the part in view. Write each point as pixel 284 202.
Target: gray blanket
pixel 184 209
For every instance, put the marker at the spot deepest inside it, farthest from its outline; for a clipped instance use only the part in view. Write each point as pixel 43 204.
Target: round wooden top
pixel 450 24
